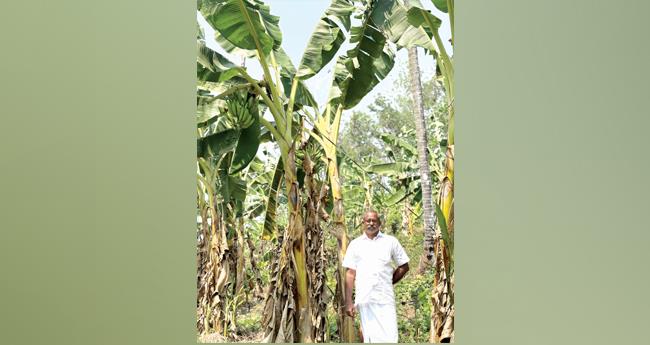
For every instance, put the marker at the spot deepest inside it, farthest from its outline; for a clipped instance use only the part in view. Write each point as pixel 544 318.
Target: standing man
pixel 369 260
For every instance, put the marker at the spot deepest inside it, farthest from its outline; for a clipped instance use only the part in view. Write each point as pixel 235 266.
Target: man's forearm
pixel 349 283
pixel 400 272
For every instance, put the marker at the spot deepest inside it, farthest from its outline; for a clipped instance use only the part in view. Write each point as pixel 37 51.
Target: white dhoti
pixel 378 322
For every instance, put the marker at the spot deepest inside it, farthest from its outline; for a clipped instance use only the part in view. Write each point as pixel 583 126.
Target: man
pixel 369 261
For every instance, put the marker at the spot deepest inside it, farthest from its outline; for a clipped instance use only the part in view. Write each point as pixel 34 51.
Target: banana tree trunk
pixel 346 323
pixel 316 262
pixel 297 231
pixel 287 318
pixel 239 280
pixel 443 311
pixel 407 218
pixel 219 272
pixel 423 161
pixel 330 132
pixel 204 271
pixel 257 279
pixel 214 262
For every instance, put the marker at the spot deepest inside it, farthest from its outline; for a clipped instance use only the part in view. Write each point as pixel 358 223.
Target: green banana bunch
pixel 313 150
pixel 241 111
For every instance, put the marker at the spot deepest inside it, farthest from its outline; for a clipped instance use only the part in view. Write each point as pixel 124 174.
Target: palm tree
pixel 423 159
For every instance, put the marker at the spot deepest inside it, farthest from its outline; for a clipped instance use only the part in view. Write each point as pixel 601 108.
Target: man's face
pixel 372 222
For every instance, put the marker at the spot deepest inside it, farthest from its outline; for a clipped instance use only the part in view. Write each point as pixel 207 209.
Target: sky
pixel 298 18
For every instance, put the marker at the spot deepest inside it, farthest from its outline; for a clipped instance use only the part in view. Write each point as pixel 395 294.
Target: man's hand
pixel 350 310
pixel 400 272
pixel 350 276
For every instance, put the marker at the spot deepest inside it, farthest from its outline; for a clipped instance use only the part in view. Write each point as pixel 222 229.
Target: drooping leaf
pixel 389 169
pixel 401 32
pixel 284 61
pixel 419 17
pixel 245 24
pixel 213 66
pixel 368 62
pixel 353 80
pixel 397 197
pixel 237 188
pixel 271 23
pixel 441 5
pixel 399 142
pixel 208 110
pixel 326 39
pixel 216 145
pixel 222 180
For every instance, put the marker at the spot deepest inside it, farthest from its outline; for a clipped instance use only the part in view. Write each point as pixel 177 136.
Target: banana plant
pixel 222 154
pixel 220 199
pixel 247 27
pixel 355 74
pixel 229 134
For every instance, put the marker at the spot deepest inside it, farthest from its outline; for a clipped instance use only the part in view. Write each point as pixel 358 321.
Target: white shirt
pixel 372 260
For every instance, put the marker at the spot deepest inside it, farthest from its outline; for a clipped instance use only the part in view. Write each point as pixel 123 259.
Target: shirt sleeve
pixel 399 254
pixel 350 259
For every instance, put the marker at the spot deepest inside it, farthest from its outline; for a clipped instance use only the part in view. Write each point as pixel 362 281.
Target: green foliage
pixel 393 217
pixel 414 309
pixel 393 114
pixel 381 139
pixel 412 295
pixel 360 137
pixel 249 322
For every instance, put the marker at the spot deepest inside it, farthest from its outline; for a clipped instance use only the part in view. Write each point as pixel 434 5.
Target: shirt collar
pixel 379 235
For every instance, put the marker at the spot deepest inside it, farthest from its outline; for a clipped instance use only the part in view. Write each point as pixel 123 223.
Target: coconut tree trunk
pixel 429 214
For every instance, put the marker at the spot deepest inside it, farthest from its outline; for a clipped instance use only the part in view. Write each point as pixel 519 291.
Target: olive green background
pixel 98 185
